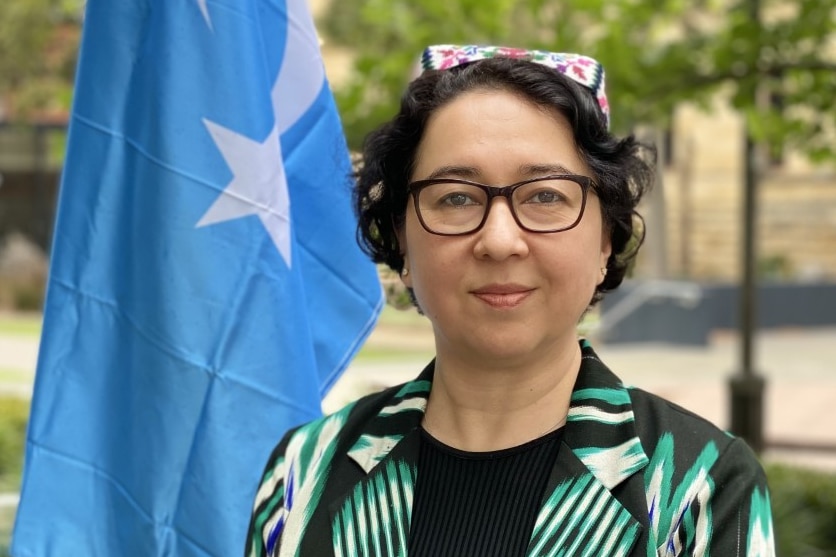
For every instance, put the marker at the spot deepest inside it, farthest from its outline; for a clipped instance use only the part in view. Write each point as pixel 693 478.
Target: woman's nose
pixel 500 237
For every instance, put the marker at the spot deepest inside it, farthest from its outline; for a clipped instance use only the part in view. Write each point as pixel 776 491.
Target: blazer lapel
pixel 374 518
pixel 580 515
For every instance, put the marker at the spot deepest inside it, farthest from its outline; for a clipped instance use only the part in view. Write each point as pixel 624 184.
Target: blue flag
pixel 206 287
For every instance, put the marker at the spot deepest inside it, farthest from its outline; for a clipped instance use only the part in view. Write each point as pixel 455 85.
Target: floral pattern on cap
pixel 580 69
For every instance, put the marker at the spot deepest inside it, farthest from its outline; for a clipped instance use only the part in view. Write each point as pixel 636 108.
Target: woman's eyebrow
pixel 453 171
pixel 472 173
pixel 543 169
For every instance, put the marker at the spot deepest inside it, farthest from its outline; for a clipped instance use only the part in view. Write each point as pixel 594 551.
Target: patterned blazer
pixel 635 476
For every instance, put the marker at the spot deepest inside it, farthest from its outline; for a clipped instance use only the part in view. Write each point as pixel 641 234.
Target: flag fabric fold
pixel 205 289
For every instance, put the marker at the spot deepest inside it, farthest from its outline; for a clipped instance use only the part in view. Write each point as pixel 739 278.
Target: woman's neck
pixel 485 408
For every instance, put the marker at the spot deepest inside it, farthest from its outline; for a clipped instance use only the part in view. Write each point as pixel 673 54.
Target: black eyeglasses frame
pixel 585 182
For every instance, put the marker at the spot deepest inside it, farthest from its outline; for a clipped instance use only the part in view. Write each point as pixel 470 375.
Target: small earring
pixel 603 271
pixel 404 272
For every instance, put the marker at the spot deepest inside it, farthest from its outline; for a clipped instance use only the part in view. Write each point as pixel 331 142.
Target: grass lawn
pixel 382 354
pixel 391 316
pixel 22 324
pixel 401 327
pixel 7 517
pixel 15 375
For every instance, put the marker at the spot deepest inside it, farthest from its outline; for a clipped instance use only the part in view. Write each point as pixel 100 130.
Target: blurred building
pixel 702 185
pixel 30 164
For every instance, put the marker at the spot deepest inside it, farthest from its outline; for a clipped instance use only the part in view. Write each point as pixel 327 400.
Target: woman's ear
pixel 606 251
pixel 406 278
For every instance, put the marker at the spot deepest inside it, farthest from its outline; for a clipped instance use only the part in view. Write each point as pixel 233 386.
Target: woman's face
pixel 502 295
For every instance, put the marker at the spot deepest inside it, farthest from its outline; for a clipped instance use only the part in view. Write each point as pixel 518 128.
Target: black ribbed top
pixel 478 504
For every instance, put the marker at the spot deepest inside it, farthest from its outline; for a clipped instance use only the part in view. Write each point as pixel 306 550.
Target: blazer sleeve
pixel 269 513
pixel 734 506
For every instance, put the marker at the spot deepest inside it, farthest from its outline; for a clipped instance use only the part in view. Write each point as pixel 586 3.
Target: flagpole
pixel 747 386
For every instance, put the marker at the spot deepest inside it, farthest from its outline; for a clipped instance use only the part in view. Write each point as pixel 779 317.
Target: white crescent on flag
pixel 205 11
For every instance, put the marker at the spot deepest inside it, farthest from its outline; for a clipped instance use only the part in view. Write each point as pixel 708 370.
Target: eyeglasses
pixel 453 207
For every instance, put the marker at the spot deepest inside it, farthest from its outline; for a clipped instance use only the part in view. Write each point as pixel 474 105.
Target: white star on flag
pixel 259 184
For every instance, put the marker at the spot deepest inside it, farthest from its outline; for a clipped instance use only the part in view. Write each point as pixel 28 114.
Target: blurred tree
pixel 38 47
pixel 656 53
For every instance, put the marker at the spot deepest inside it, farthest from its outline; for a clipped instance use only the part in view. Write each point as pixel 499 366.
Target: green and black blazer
pixel 635 476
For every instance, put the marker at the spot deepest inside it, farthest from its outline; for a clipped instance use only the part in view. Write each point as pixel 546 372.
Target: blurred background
pixel 730 310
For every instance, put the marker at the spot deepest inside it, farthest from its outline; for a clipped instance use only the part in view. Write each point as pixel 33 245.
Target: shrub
pixel 23 272
pixel 22 294
pixel 14 413
pixel 804 511
pixel 29 297
pixel 397 295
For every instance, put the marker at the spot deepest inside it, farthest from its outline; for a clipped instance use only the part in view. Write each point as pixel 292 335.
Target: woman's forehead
pixel 483 130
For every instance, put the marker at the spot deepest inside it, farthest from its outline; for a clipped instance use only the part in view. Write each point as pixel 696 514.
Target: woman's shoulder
pixel 352 417
pixel 653 416
pixel 666 427
pixel 656 414
pixel 655 409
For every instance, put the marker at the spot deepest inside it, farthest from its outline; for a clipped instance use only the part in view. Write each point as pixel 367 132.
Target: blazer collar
pixel 401 415
pixel 600 427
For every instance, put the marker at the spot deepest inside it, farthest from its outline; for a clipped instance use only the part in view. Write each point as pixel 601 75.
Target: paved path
pixel 18 354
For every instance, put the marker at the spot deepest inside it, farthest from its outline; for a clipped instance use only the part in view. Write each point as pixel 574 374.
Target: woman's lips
pixel 503 295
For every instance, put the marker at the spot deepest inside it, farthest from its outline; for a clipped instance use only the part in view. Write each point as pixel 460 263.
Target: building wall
pixel 29 173
pixel 703 192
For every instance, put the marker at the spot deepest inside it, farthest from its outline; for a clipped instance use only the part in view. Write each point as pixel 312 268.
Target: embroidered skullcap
pixel 580 69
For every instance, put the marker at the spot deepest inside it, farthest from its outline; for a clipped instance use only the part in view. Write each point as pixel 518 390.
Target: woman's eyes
pixel 544 196
pixel 457 199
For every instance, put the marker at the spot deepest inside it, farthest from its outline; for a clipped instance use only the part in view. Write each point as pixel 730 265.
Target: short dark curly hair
pixel 623 168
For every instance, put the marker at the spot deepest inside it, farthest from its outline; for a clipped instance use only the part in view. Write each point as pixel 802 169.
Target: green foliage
pixel 14 413
pixel 22 294
pixel 774 267
pixel 397 295
pixel 29 297
pixel 656 53
pixel 38 42
pixel 804 511
pixel 6 522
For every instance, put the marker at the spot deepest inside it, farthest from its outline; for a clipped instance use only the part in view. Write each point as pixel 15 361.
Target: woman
pixel 507 207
